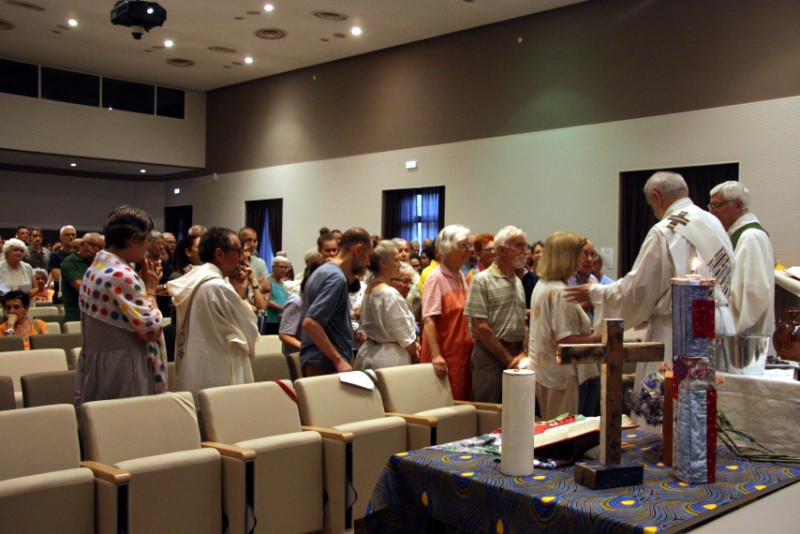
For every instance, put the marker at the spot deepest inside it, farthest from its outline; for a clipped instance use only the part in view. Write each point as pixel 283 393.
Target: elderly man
pixel 327 337
pixel 496 311
pixel 684 232
pixel 66 236
pixel 216 328
pixel 72 271
pixel 753 282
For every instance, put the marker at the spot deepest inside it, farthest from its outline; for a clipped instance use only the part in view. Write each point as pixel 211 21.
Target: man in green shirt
pixel 72 273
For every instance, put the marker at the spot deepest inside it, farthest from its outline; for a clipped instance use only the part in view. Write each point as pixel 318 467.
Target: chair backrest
pixel 24 362
pixel 125 429
pixel 248 411
pixel 52 328
pixel 269 344
pixel 73 355
pixel 295 365
pixel 269 367
pixel 43 389
pixel 38 440
pixel 7 400
pixel 327 402
pixel 71 327
pixel 39 311
pixel 11 343
pixel 57 341
pixel 413 388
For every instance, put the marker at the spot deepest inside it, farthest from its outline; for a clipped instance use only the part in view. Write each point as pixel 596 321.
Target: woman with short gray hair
pixel 272 321
pixel 447 342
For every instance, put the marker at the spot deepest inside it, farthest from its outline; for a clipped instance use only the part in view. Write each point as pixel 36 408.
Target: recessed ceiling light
pixel 177 190
pixel 169 43
pixel 248 60
pixel 330 15
pixel 355 30
pixel 73 164
pixel 72 22
pixel 269 8
pixel 270 34
pixel 143 171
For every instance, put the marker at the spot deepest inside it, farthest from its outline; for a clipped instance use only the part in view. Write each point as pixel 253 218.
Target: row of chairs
pixel 280 456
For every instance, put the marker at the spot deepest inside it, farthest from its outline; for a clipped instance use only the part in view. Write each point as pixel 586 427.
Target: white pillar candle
pixel 519 405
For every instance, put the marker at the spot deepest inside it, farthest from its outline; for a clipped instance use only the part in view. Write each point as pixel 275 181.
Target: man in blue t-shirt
pixel 327 336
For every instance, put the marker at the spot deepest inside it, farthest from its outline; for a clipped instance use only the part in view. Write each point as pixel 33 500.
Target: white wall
pixel 564 179
pixel 53 127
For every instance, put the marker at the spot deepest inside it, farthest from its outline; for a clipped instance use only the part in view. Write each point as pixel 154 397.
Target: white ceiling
pixel 41 35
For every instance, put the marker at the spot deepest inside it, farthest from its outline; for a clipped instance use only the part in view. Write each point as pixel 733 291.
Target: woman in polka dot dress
pixel 123 345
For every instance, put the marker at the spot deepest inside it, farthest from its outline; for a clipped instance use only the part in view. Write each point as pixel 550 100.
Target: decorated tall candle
pixel 519 404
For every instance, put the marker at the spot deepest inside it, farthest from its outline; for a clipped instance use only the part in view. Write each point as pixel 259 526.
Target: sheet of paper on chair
pixel 357 378
pixel 794 272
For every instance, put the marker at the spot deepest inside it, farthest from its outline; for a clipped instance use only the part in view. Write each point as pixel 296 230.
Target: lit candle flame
pixel 523 363
pixel 695 265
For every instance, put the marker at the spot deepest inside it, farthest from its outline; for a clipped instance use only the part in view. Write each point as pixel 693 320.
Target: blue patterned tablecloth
pixel 468 493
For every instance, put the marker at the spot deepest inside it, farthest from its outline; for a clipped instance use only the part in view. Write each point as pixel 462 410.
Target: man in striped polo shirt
pixel 496 311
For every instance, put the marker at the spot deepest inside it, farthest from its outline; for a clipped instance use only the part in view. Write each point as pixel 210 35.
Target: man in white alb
pixel 684 232
pixel 753 282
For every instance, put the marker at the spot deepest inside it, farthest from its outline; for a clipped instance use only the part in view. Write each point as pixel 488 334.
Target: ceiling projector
pixel 138 15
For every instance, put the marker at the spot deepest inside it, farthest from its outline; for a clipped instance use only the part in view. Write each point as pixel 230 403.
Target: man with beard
pixel 496 311
pixel 327 336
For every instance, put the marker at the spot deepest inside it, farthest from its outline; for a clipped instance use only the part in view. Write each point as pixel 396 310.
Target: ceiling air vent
pixel 330 15
pixel 270 33
pixel 178 62
pixel 222 49
pixel 5 25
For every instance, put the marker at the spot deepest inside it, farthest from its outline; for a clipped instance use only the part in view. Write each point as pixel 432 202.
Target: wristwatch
pixel 9 332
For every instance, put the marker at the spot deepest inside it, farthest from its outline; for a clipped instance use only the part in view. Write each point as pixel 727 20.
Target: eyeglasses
pixel 487 249
pixel 404 281
pixel 718 205
pixel 239 251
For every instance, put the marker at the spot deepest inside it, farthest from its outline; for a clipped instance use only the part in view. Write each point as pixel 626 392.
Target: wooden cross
pixel 611 353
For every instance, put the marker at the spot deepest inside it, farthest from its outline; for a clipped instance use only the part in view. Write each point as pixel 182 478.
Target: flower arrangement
pixel 649 403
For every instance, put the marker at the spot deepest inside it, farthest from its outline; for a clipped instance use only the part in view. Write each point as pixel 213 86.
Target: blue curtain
pixel 429 213
pixel 265 245
pixel 407 217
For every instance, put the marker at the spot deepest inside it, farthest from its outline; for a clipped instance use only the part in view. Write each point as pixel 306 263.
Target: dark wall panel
pixel 600 61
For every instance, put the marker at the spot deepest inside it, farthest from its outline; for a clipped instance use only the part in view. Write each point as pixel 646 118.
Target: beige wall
pixel 53 127
pixel 561 179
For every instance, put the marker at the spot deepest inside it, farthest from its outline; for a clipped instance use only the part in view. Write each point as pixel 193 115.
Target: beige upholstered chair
pixel 268 345
pixel 43 389
pixel 72 357
pixel 415 393
pixel 43 488
pixel 58 341
pixel 7 400
pixel 52 328
pixel 71 327
pixel 270 465
pixel 41 311
pixel 152 474
pixel 23 362
pixel 358 440
pixel 269 367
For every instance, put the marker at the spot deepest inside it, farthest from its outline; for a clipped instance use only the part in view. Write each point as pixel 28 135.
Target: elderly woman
pixel 15 273
pixel 554 320
pixel 446 339
pixel 280 267
pixel 386 319
pixel 15 306
pixel 123 346
pixel 40 292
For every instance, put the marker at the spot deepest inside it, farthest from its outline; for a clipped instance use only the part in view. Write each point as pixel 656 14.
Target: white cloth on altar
pixel 753 282
pixel 217 327
pixel 645 293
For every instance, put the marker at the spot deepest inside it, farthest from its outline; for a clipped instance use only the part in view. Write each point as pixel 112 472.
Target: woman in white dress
pixel 554 320
pixel 386 319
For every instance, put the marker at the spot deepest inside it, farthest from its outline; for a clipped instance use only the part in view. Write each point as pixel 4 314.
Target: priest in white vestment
pixel 753 282
pixel 216 328
pixel 684 232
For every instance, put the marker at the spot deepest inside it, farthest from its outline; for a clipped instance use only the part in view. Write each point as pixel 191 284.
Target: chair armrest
pixel 110 474
pixel 488 406
pixel 331 433
pixel 231 451
pixel 427 420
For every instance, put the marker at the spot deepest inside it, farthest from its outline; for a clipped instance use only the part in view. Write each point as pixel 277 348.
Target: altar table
pixel 428 490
